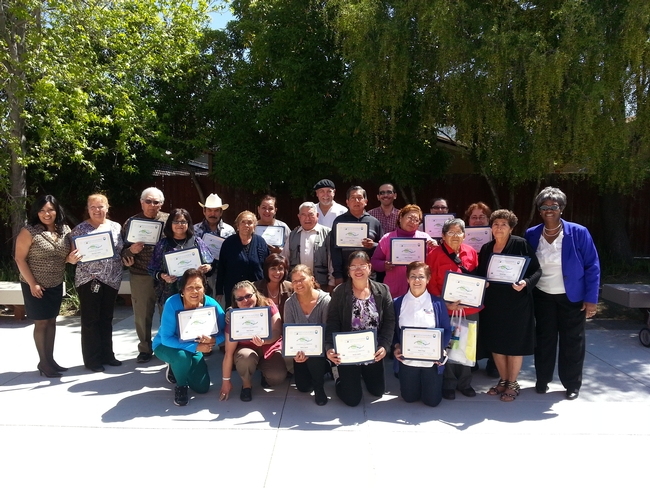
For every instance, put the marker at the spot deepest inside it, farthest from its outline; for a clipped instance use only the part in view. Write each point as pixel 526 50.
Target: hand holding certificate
pixel 406 250
pixel 356 347
pixel 306 338
pixel 423 344
pixel 145 231
pixel 467 289
pixel 197 322
pixel 179 261
pixel 272 234
pixel 94 247
pixel 507 269
pixel 246 323
pixel 350 234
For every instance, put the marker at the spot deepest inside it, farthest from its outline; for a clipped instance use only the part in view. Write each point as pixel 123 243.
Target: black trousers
pixel 559 320
pixel 97 323
pixel 310 375
pixel 348 386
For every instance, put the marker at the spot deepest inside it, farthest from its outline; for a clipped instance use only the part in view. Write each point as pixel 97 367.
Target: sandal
pixel 499 388
pixel 511 392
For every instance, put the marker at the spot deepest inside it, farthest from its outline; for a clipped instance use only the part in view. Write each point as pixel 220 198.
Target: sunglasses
pixel 386 192
pixel 245 297
pixel 543 208
pixel 152 202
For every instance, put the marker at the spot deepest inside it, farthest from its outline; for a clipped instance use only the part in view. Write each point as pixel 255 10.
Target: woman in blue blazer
pixel 566 294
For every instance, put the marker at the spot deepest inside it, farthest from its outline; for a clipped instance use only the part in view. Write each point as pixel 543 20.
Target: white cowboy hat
pixel 214 201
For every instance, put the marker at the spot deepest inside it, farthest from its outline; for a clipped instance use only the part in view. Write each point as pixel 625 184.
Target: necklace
pixel 552 232
pixel 276 294
pixel 180 244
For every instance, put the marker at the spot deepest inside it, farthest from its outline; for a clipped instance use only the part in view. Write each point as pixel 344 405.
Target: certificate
pixel 477 236
pixel 248 322
pixel 180 261
pixel 407 250
pixel 356 347
pixel 466 288
pixel 214 244
pixel 196 322
pixel 433 223
pixel 94 247
pixel 506 269
pixel 307 338
pixel 272 234
pixel 146 231
pixel 350 234
pixel 418 343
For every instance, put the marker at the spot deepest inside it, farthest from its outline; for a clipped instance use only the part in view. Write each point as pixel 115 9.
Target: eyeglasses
pixel 555 207
pixel 412 218
pixel 96 208
pixel 438 207
pixel 179 222
pixel 455 234
pixel 244 298
pixel 418 278
pixel 385 192
pixel 152 202
pixel 357 267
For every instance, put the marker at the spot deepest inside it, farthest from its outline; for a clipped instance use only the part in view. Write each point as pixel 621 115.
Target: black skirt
pixel 42 308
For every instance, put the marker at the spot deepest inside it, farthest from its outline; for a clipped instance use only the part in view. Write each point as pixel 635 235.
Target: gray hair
pixel 551 193
pixel 309 205
pixel 153 191
pixel 451 222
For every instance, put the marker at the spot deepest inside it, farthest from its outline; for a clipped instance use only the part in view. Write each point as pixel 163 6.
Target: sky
pixel 221 18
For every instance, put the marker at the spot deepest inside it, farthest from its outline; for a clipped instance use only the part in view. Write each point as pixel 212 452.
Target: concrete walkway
pixel 121 428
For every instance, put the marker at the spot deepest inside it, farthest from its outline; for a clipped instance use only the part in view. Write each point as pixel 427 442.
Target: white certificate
pixel 248 322
pixel 407 250
pixel 433 224
pixel 350 234
pixel 506 269
pixel 418 343
pixel 272 234
pixel 146 231
pixel 196 322
pixel 477 236
pixel 356 347
pixel 214 244
pixel 180 261
pixel 94 247
pixel 307 338
pixel 466 288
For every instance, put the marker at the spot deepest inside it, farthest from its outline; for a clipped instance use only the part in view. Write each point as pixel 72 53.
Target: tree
pixel 531 88
pixel 78 89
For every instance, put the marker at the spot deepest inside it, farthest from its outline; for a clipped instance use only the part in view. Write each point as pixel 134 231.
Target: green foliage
pixel 530 87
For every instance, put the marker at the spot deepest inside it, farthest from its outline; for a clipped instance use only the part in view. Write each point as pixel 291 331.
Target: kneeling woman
pixel 360 304
pixel 307 305
pixel 186 358
pixel 418 308
pixel 247 356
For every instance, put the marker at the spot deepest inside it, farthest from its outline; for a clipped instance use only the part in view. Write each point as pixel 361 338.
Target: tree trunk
pixel 617 242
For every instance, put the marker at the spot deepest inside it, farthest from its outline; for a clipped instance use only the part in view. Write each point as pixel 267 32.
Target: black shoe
pixel 114 362
pixel 572 394
pixel 320 397
pixel 449 394
pixel 169 375
pixel 246 395
pixel 143 357
pixel 541 388
pixel 60 369
pixel 180 396
pixel 48 374
pixel 96 369
pixel 468 392
pixel 265 384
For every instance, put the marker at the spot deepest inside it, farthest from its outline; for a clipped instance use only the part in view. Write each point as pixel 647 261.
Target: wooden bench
pixel 11 294
pixel 632 296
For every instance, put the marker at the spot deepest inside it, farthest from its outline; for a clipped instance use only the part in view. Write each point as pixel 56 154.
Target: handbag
pixel 462 347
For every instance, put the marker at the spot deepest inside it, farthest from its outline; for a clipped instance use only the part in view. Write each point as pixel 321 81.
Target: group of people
pixel 301 272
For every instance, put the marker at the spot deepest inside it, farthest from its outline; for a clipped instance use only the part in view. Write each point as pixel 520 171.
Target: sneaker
pixel 169 375
pixel 143 357
pixel 180 396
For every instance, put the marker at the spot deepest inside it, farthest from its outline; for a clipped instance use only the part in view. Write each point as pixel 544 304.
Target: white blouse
pixel 417 312
pixel 549 256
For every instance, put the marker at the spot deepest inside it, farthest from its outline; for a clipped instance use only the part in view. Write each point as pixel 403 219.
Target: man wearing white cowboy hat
pixel 213 225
